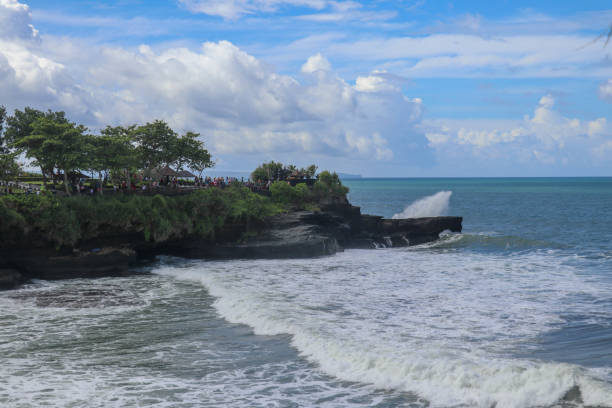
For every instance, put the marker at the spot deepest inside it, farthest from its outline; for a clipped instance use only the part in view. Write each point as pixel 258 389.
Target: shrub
pixel 63 222
pixel 329 184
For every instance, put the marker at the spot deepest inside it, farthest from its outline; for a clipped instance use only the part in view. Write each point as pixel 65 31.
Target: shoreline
pixel 296 234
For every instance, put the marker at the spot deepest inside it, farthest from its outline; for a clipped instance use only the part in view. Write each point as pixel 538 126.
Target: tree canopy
pixel 56 144
pixel 273 171
pixel 9 168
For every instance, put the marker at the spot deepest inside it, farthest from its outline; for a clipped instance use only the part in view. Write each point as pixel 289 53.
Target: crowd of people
pixel 139 185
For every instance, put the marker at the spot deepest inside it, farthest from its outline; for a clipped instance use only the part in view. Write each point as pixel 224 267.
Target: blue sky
pixel 380 88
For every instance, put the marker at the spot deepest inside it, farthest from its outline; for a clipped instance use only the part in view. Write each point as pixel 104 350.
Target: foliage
pixel 20 124
pixel 297 197
pixel 278 171
pixel 63 222
pixel 329 185
pixel 9 168
pixel 55 143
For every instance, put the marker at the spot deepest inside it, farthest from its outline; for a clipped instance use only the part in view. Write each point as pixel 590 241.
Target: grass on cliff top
pixel 63 222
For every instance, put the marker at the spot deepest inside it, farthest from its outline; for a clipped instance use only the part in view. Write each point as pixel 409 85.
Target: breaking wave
pixel 440 334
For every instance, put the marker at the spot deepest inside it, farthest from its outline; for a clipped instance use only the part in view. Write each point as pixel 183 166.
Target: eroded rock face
pixel 306 234
pixel 295 235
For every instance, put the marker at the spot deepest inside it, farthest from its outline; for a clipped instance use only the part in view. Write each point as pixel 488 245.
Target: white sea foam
pixel 442 326
pixel 430 206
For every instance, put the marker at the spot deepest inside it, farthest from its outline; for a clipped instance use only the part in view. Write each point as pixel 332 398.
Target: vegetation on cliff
pixel 65 221
pixel 59 146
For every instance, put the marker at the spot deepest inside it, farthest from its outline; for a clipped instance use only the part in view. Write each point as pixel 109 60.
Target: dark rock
pixel 300 234
pixel 10 279
pixel 573 395
pixel 306 234
pixel 294 235
pixel 49 264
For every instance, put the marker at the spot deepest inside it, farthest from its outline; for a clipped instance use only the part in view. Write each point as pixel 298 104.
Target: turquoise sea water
pixel 514 312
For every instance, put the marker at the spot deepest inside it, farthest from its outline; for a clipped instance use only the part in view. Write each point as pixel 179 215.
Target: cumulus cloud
pixel 241 104
pixel 316 63
pixel 16 21
pixel 544 136
pixel 27 75
pixel 246 106
pixel 378 81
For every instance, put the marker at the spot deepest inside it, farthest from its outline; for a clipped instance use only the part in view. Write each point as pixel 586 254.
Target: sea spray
pixel 430 206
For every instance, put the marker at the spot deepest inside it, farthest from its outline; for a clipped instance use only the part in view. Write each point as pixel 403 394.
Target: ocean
pixel 514 312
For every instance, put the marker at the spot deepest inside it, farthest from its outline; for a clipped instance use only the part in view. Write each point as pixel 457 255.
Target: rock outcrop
pixel 300 234
pixel 306 234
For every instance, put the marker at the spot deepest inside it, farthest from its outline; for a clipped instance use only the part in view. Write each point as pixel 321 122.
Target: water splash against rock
pixel 430 206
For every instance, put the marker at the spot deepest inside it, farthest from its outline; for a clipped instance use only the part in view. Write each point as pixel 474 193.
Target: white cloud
pixel 16 21
pixel 240 104
pixel 26 75
pixel 377 82
pixel 316 63
pixel 462 55
pixel 547 136
pixel 232 9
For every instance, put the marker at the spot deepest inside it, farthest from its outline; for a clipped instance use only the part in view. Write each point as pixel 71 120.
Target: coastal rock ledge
pixel 300 234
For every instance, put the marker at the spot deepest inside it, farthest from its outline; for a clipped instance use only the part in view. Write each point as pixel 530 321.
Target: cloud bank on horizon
pixel 370 117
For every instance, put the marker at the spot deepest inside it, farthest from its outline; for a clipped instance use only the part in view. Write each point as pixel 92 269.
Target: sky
pixel 404 88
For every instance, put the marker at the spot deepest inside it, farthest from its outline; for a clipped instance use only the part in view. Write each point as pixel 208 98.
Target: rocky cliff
pixel 298 234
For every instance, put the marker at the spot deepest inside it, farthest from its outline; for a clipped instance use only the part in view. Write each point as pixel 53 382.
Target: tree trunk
pixel 42 171
pixel 66 182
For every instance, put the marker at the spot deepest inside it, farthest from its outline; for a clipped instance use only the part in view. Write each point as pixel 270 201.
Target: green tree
pixel 117 150
pixel 278 171
pixel 20 125
pixel 269 172
pixel 189 151
pixel 310 171
pixel 9 168
pixel 197 157
pixel 57 144
pixel 156 144
pixel 329 185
